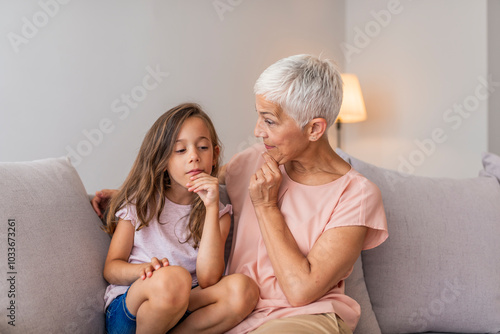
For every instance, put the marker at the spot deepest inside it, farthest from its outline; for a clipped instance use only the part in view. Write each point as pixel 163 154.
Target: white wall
pixel 414 65
pixel 494 70
pixel 71 75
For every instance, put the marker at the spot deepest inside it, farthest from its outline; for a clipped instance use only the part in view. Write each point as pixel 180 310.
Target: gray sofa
pixel 439 271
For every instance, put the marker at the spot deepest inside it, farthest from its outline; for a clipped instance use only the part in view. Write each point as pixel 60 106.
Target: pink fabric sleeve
pixel 361 205
pixel 223 209
pixel 128 212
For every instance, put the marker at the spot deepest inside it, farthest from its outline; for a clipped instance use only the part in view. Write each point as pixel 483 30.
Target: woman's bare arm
pixel 303 278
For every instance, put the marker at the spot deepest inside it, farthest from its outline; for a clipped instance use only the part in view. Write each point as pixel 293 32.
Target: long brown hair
pixel 147 183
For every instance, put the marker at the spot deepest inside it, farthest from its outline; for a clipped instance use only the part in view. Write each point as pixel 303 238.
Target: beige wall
pixel 494 70
pixel 90 77
pixel 421 65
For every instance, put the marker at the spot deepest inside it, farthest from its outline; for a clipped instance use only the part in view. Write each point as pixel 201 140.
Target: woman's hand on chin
pixel 265 183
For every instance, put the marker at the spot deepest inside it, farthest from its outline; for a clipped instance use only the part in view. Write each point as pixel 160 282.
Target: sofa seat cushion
pixel 56 251
pixel 439 270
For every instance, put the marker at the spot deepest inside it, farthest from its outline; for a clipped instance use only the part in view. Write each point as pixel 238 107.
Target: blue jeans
pixel 119 320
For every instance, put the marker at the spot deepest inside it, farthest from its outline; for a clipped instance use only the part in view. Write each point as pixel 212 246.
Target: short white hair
pixel 304 86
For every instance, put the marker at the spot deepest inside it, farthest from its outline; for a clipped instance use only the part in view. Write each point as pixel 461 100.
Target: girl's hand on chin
pixel 207 187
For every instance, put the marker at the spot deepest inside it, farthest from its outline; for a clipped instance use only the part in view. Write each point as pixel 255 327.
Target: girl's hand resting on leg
pixel 155 264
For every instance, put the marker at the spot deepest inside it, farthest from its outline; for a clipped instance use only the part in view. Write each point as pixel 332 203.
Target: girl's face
pixel 193 153
pixel 282 136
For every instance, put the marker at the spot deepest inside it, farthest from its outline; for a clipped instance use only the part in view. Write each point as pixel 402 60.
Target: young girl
pixel 166 258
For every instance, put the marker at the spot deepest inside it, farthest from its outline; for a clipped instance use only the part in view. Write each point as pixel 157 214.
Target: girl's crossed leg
pixel 159 301
pixel 221 306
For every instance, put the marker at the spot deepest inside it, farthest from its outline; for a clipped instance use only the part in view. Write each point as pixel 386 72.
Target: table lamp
pixel 353 106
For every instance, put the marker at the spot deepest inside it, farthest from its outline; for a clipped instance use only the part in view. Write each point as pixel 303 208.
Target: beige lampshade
pixel 353 106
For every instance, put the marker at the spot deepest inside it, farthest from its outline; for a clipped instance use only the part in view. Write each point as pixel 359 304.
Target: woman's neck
pixel 318 164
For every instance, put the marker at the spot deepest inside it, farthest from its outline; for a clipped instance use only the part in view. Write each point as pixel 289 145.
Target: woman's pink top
pixel 351 200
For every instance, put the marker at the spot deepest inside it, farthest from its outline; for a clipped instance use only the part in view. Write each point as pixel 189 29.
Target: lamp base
pixel 339 125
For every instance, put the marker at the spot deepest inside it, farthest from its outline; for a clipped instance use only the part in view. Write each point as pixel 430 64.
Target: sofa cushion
pixel 491 164
pixel 52 281
pixel 439 270
pixel 355 287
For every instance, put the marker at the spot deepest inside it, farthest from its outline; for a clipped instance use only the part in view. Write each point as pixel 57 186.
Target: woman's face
pixel 283 138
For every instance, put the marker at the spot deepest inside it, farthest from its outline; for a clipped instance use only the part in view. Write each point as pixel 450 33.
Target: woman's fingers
pixel 265 183
pixel 272 167
pixel 271 163
pixel 269 174
pixel 101 200
pixel 96 200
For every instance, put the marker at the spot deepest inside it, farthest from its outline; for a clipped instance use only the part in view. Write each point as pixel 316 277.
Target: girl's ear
pixel 216 154
pixel 317 128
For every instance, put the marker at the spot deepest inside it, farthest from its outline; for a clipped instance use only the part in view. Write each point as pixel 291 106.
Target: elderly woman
pixel 302 215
